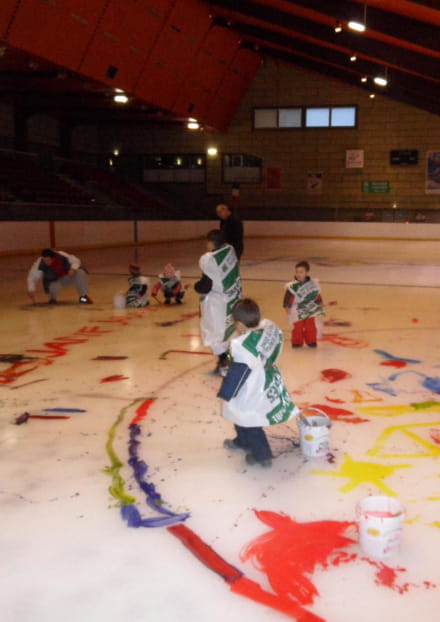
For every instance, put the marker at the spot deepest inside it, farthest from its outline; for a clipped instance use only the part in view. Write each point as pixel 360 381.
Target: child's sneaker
pixel 229 443
pixel 296 345
pixel 251 460
pixel 313 345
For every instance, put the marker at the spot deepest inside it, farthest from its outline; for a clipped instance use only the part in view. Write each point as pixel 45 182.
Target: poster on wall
pixel 314 183
pixel 354 158
pixel 273 178
pixel 432 185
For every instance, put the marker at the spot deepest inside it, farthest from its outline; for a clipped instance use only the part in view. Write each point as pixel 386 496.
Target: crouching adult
pixel 58 269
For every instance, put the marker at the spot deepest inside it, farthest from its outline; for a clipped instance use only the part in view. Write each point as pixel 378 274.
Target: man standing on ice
pixel 58 270
pixel 220 287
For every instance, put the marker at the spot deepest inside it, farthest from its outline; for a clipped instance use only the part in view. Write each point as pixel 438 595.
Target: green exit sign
pixel 376 187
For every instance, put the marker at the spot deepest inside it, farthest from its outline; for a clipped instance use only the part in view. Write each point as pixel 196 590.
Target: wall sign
pixel 404 157
pixel 376 187
pixel 354 158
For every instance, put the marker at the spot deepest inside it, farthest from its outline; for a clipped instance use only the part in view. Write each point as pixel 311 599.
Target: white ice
pixel 66 553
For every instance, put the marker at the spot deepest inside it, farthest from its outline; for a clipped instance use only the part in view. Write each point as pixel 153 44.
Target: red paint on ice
pixel 434 433
pixel 334 375
pixel 142 411
pixel 334 400
pixel 114 378
pixel 291 552
pixel 394 363
pixel 339 414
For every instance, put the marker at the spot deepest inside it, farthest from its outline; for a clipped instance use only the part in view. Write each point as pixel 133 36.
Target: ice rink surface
pixel 70 487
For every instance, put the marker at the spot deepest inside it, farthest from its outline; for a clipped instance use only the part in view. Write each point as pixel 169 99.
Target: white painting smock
pixel 263 399
pixel 216 324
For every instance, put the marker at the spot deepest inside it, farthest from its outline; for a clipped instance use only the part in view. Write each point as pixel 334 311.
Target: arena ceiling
pixel 181 58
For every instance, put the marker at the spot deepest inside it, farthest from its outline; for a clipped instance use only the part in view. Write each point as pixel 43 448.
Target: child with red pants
pixel 303 303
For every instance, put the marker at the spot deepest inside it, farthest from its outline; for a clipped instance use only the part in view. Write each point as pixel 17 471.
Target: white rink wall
pixel 23 237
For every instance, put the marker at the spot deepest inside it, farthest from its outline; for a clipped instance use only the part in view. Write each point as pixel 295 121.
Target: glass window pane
pixel 265 118
pixel 290 117
pixel 344 117
pixel 317 117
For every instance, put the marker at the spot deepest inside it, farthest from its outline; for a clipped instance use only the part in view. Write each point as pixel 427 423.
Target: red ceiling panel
pixel 59 32
pixel 123 40
pixel 173 54
pixel 7 8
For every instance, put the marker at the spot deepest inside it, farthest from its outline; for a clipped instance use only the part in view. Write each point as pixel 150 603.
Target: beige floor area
pixel 66 549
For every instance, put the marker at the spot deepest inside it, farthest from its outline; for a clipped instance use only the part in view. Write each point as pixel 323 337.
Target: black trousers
pixel 253 439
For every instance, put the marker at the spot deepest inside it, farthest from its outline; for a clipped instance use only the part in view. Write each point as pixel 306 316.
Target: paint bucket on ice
pixel 314 432
pixel 380 522
pixel 119 301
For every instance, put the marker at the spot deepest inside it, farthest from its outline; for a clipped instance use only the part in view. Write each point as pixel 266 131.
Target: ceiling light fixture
pixel 372 95
pixel 338 26
pixel 358 26
pixel 353 58
pixel 212 151
pixel 380 81
pixel 192 125
pixel 364 79
pixel 120 99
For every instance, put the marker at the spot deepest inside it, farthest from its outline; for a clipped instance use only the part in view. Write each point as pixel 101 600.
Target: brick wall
pixel 383 124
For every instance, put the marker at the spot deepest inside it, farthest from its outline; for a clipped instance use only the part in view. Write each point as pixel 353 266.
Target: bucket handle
pixel 317 410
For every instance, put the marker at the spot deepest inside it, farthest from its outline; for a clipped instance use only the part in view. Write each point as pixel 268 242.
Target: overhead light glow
pixel 372 95
pixel 357 26
pixel 119 91
pixel 364 79
pixel 120 99
pixel 212 151
pixel 338 26
pixel 380 81
pixel 192 125
pixel 353 58
pixel 116 152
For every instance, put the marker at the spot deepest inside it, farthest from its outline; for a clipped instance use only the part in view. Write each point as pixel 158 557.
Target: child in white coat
pixel 261 398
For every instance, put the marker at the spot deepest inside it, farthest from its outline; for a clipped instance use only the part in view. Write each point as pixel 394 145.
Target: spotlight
pixel 212 151
pixel 192 125
pixel 120 99
pixel 364 79
pixel 353 58
pixel 357 26
pixel 380 81
pixel 372 95
pixel 338 26
pixel 116 152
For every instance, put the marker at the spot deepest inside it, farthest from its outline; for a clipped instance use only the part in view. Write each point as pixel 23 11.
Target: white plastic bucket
pixel 380 522
pixel 119 301
pixel 314 432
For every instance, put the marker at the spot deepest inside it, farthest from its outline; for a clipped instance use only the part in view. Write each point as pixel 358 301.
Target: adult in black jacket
pixel 231 227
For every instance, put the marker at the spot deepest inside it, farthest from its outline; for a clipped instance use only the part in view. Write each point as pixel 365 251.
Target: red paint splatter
pixel 238 583
pixel 334 375
pixel 291 551
pixel 334 400
pixel 339 414
pixel 388 576
pixel 142 411
pixel 434 433
pixel 394 363
pixel 114 378
pixel 345 342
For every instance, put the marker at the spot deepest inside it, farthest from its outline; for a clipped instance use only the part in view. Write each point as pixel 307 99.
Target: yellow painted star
pixel 364 472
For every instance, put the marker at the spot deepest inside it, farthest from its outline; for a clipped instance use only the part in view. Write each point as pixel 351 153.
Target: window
pixel 174 167
pixel 265 118
pixel 305 117
pixel 241 167
pixel 290 117
pixel 317 117
pixel 343 116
